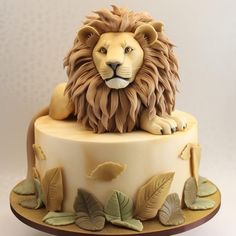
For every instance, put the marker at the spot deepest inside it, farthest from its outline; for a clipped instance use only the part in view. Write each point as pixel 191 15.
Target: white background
pixel 35 35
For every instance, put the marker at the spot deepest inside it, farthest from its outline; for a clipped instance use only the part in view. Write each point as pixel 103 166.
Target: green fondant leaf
pixel 190 191
pixel 131 224
pixel 59 218
pixel 206 189
pixel 26 187
pixel 31 203
pixel 119 206
pixel 202 180
pixel 39 194
pixel 152 195
pixel 202 204
pixel 171 212
pixel 119 211
pixel 90 215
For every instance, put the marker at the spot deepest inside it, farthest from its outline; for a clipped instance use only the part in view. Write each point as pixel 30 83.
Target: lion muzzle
pixel 117 82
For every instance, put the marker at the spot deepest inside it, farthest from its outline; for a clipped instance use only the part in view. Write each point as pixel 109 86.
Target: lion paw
pixel 163 125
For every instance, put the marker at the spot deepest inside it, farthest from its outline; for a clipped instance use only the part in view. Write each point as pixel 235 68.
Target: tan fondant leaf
pixel 52 186
pixel 151 196
pixel 206 189
pixel 39 152
pixel 171 212
pixel 186 153
pixel 89 211
pixel 59 218
pixel 195 161
pixel 202 204
pixel 107 171
pixel 190 191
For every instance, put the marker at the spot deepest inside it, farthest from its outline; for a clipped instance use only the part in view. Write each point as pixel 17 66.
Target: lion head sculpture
pixel 121 64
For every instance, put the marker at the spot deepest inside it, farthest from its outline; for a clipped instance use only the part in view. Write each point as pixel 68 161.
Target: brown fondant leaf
pixel 151 196
pixel 107 171
pixel 186 153
pixel 171 212
pixel 89 211
pixel 195 161
pixel 190 191
pixel 38 151
pixel 52 187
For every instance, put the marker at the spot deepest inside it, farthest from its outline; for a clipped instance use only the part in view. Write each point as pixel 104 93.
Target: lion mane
pixel 103 109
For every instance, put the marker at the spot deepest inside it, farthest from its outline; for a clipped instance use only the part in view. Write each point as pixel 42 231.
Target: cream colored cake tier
pixel 136 156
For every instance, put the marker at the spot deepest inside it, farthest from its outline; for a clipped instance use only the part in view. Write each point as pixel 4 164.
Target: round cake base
pixel 34 218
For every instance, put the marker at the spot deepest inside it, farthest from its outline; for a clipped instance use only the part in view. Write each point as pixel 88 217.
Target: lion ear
pixel 87 34
pixel 158 26
pixel 148 32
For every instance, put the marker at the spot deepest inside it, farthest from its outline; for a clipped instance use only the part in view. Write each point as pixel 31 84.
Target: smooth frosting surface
pixel 78 152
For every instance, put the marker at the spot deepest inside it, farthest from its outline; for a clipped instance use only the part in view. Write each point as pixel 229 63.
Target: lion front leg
pixel 159 125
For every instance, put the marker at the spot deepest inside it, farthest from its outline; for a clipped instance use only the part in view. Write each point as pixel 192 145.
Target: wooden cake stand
pixel 34 218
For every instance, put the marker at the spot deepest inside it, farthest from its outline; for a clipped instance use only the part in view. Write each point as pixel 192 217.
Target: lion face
pixel 117 57
pixel 121 64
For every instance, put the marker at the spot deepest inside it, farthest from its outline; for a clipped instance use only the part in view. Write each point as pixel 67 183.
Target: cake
pixel 111 147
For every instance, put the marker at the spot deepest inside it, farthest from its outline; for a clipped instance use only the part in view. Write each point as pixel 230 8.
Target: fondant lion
pixel 122 77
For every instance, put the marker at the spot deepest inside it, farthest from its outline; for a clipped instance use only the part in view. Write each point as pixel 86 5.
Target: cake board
pixel 33 218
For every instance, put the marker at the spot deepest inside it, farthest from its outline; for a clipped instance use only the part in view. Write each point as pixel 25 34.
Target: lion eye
pixel 103 50
pixel 128 49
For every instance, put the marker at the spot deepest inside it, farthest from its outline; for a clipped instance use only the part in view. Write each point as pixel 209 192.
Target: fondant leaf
pixel 31 203
pixel 52 187
pixel 59 218
pixel 119 211
pixel 119 207
pixel 131 224
pixel 202 180
pixel 190 191
pixel 39 194
pixel 206 189
pixel 39 152
pixel 107 171
pixel 171 212
pixel 152 195
pixel 202 204
pixel 186 153
pixel 89 211
pixel 36 174
pixel 37 201
pixel 26 187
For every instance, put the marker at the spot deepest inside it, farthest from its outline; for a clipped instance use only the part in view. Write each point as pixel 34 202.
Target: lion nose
pixel 113 65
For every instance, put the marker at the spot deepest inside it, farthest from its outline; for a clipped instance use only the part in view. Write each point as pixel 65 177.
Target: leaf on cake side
pixel 59 218
pixel 186 153
pixel 152 195
pixel 171 213
pixel 52 186
pixel 206 189
pixel 26 187
pixel 202 180
pixel 190 197
pixel 107 171
pixel 89 210
pixel 119 211
pixel 38 151
pixel 36 174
